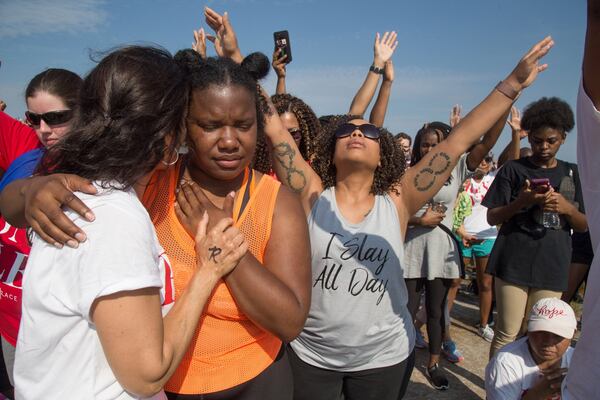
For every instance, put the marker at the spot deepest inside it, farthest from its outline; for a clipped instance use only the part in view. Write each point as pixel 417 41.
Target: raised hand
pixel 384 48
pixel 529 66
pixel 279 63
pixel 199 45
pixel 514 121
pixel 455 115
pixel 221 248
pixel 224 39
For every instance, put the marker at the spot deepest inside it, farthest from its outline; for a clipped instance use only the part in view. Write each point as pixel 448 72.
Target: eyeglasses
pixel 369 131
pixel 51 118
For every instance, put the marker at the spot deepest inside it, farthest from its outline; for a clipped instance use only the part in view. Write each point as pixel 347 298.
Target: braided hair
pixel 310 126
pixel 387 174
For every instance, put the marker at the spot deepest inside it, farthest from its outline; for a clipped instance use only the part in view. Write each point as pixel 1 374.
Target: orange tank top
pixel 228 349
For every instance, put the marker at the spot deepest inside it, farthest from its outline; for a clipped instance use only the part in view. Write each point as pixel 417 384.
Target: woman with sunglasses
pixel 51 97
pixel 359 336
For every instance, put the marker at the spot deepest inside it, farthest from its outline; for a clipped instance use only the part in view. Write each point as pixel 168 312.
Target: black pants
pixel 273 383
pixel 436 292
pixel 387 383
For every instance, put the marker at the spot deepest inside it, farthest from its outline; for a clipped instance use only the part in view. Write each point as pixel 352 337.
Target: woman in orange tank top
pixel 237 351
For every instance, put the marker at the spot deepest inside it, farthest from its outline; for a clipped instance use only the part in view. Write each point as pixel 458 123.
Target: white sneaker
pixel 486 332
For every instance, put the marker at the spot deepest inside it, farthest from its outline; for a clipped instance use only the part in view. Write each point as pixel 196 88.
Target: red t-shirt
pixel 16 138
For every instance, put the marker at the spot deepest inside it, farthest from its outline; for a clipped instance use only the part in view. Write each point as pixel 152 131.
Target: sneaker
pixel 451 353
pixel 486 332
pixel 437 378
pixel 420 342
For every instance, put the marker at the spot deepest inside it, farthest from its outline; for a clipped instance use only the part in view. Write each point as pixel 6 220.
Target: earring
pixel 172 162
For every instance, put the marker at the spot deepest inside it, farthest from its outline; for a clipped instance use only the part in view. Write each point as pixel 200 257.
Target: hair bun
pixel 257 64
pixel 187 59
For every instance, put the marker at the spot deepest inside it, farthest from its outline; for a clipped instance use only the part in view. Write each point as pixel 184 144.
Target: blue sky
pixel 449 52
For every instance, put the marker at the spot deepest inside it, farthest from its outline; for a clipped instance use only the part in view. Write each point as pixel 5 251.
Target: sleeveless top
pixel 358 318
pixel 228 349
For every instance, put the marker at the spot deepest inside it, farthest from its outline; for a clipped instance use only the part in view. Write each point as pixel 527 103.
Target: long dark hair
pixel 130 103
pixel 310 127
pixel 223 71
pixel 439 129
pixel 58 82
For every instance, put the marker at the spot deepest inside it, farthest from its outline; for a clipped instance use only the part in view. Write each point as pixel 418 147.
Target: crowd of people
pixel 172 231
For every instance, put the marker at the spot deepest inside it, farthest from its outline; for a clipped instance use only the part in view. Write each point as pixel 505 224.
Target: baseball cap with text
pixel 552 315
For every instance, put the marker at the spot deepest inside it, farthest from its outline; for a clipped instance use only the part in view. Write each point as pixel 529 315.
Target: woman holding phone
pixel 530 259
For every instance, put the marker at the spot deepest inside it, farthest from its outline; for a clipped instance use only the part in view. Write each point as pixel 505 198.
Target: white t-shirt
pixel 476 223
pixel 582 381
pixel 59 355
pixel 512 371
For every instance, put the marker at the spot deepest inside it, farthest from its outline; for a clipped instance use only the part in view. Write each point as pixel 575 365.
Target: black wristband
pixel 376 70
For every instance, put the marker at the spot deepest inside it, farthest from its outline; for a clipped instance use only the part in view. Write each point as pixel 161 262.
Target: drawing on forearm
pixel 284 154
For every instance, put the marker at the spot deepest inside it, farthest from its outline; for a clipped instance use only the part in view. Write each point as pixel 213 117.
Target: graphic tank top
pixel 358 318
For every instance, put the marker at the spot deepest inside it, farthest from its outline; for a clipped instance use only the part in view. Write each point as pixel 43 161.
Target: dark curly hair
pixel 387 175
pixel 547 112
pixel 223 71
pixel 129 104
pixel 310 126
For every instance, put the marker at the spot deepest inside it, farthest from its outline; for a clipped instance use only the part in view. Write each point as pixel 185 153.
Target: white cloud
pixel 22 18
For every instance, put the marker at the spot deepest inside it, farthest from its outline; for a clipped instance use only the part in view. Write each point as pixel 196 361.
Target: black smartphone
pixel 282 41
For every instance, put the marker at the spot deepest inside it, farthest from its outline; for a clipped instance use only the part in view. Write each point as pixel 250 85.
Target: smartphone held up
pixel 282 41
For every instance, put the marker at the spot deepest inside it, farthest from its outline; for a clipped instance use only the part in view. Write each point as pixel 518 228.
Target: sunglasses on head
pixel 369 131
pixel 51 118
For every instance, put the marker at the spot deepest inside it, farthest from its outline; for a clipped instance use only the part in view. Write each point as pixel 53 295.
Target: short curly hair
pixel 387 175
pixel 548 112
pixel 310 126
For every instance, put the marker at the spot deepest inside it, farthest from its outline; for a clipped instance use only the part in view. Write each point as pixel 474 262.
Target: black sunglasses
pixel 51 118
pixel 369 131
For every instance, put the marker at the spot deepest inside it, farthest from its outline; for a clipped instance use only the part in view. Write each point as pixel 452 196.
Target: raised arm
pixel 383 50
pixel 291 169
pixel 199 45
pixel 224 39
pixel 422 181
pixel 381 104
pixel 591 55
pixel 512 151
pixel 141 347
pixel 279 64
